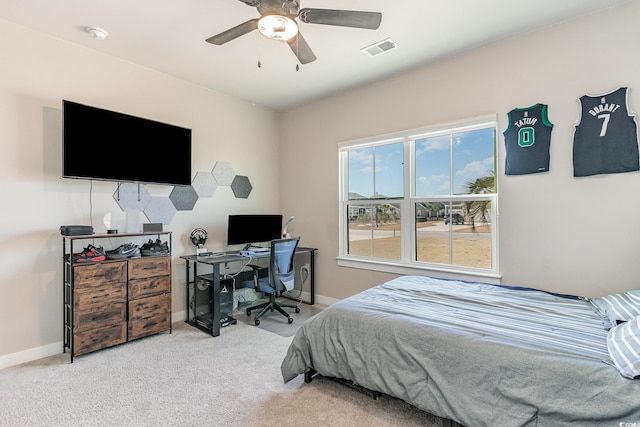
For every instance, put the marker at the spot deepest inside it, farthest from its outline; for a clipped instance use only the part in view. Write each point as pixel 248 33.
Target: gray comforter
pixel 479 354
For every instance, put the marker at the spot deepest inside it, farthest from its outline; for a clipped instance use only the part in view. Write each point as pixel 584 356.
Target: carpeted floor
pixel 189 378
pixel 277 323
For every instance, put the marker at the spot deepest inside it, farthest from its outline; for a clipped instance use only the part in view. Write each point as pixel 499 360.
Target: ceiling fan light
pixel 277 27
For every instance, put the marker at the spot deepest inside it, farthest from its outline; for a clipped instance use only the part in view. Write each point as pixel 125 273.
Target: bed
pixel 475 353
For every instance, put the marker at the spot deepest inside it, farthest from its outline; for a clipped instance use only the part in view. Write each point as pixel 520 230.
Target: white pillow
pixel 623 342
pixel 619 307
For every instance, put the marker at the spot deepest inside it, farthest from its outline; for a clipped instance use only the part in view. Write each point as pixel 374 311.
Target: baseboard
pixel 30 355
pixel 179 316
pixel 319 299
pixel 325 301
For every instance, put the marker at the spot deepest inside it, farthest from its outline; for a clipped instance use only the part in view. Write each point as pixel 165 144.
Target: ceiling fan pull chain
pixel 259 53
pixel 298 53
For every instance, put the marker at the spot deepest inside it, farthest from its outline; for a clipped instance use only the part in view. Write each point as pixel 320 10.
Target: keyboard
pixel 254 253
pixel 211 254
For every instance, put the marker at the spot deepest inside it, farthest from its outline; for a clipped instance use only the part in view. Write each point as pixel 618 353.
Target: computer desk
pixel 216 260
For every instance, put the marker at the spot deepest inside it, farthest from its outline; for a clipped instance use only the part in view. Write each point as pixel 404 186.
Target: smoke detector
pixel 97 33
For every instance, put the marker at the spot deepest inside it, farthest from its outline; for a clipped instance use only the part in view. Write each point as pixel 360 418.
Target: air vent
pixel 380 47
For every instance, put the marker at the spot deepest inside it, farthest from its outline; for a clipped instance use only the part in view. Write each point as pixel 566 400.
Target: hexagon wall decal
pixel 241 187
pixel 223 173
pixel 135 197
pixel 204 184
pixel 131 197
pixel 183 197
pixel 160 209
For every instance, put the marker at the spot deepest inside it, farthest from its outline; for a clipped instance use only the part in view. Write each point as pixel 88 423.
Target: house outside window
pixel 423 199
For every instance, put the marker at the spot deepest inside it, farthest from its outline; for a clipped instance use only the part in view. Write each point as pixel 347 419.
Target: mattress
pixel 476 353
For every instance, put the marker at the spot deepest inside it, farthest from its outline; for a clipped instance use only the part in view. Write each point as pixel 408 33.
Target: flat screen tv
pixel 252 229
pixel 106 145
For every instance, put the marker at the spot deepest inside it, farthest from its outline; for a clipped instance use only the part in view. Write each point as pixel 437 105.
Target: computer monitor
pixel 252 229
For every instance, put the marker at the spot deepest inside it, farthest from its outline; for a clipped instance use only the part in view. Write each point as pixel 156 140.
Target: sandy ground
pixel 470 247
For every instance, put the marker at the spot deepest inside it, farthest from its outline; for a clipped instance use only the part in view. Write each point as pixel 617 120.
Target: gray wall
pixel 557 232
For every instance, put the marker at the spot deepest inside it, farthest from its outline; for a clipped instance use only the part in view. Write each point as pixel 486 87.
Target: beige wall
pixel 37 72
pixel 557 232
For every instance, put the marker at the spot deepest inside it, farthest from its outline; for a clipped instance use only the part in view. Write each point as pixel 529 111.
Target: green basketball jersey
pixel 527 140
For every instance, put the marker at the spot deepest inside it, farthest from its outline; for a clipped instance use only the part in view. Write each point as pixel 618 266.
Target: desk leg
pixel 312 278
pixel 188 319
pixel 215 301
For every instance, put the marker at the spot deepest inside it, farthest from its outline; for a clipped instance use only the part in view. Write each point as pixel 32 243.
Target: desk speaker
pixel 152 227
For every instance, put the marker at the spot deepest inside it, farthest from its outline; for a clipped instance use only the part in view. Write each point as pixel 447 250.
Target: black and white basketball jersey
pixel 605 139
pixel 527 140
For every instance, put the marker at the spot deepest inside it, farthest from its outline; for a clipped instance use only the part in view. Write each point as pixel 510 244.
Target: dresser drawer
pixel 100 338
pixel 139 288
pixel 97 297
pixel 149 307
pixel 91 275
pixel 87 320
pixel 140 268
pixel 143 327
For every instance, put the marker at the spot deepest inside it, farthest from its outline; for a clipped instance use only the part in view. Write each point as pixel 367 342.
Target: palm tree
pixel 480 208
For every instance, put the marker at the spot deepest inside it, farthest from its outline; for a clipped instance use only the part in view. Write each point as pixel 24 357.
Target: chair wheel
pixel 248 312
pixel 257 322
pixel 290 320
pixel 297 309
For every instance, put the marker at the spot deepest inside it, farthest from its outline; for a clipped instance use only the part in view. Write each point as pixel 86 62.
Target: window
pixel 424 199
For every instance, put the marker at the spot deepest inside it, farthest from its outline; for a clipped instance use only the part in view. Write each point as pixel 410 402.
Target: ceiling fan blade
pixel 342 18
pixel 235 32
pixel 301 49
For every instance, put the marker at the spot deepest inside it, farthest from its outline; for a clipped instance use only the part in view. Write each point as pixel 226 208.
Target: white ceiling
pixel 169 36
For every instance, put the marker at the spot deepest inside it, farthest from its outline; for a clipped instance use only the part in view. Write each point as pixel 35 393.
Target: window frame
pixel 408 263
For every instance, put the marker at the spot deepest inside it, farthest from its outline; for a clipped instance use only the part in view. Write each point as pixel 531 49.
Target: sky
pixel 471 152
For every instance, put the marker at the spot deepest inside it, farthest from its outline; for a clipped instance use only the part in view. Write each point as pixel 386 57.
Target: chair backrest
pixel 281 272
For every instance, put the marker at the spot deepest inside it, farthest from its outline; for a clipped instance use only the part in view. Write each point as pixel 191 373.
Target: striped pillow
pixel 619 307
pixel 623 342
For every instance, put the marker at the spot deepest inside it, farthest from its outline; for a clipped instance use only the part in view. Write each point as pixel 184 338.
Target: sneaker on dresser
pixel 90 254
pixel 154 248
pixel 127 250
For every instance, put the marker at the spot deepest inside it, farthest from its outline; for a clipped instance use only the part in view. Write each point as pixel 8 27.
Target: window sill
pixel 397 267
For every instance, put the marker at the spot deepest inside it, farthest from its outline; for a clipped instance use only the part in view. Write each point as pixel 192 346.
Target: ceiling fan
pixel 278 21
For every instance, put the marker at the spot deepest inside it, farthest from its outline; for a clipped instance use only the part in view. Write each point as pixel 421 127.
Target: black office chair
pixel 280 278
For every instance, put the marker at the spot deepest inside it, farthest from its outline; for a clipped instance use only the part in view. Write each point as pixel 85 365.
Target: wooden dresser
pixel 111 302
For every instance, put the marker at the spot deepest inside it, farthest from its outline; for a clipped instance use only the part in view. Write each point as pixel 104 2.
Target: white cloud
pixel 432 144
pixel 361 156
pixel 477 168
pixel 434 184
